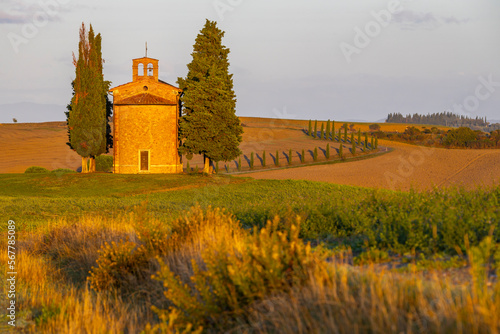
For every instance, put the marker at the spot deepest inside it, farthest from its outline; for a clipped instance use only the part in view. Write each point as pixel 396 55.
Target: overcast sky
pixel 319 59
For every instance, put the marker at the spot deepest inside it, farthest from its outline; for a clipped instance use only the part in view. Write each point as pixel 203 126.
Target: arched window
pixel 140 70
pixel 150 69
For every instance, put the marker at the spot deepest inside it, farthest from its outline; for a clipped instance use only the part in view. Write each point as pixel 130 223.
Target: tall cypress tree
pixel 310 128
pixel 209 125
pixel 88 112
pixel 333 130
pixel 327 131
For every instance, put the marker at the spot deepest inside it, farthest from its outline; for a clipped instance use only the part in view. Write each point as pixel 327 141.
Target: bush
pixel 374 127
pixel 63 171
pixel 236 275
pixel 104 163
pixel 37 169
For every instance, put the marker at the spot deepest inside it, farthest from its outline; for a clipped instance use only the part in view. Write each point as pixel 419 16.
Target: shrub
pixel 120 267
pixel 63 171
pixel 236 275
pixel 374 127
pixel 104 163
pixel 37 169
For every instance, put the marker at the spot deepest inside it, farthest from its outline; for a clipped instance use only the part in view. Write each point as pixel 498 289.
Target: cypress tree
pixel 340 135
pixel 333 130
pixel 303 156
pixel 366 141
pixel 345 132
pixel 251 160
pixel 322 133
pixel 315 154
pixel 209 125
pixel 371 145
pixel 376 142
pixel 341 151
pixel 277 162
pixel 290 157
pixel 327 131
pixel 315 129
pixel 88 113
pixel 310 128
pixel 264 158
pixel 188 168
pixel 353 142
pixel 359 136
pixel 239 163
pixel 217 167
pixel 327 151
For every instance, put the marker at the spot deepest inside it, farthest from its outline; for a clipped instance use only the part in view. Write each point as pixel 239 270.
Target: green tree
pixel 290 157
pixel 341 151
pixel 322 133
pixel 340 135
pixel 366 141
pixel 353 143
pixel 251 160
pixel 327 131
pixel 315 129
pixel 327 151
pixel 333 130
pixel 310 128
pixel 376 142
pixel 209 125
pixel 239 164
pixel 315 154
pixel 264 158
pixel 277 161
pixel 372 143
pixel 87 115
pixel 359 136
pixel 345 132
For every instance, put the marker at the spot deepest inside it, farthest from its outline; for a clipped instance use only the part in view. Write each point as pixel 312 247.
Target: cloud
pixel 21 12
pixel 411 20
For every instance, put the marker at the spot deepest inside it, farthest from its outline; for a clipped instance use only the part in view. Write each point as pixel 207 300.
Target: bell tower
pixel 145 68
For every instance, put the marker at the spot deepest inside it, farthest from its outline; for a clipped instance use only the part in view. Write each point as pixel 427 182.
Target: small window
pixel 150 69
pixel 140 70
pixel 144 161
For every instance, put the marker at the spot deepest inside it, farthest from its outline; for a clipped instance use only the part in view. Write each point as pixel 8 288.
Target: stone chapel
pixel 146 113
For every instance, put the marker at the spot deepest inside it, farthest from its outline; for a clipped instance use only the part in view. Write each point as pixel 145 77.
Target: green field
pixel 63 221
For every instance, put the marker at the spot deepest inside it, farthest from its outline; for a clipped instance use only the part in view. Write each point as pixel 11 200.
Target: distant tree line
pixel 443 119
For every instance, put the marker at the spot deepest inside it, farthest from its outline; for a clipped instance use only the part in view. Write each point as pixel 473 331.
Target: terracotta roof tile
pixel 144 98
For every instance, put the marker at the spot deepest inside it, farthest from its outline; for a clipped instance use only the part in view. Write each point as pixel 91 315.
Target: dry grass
pixel 369 301
pixel 341 299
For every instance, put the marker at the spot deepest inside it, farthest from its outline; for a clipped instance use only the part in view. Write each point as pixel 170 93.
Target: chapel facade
pixel 146 117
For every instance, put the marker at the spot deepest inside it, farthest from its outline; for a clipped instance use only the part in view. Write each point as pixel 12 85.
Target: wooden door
pixel 144 160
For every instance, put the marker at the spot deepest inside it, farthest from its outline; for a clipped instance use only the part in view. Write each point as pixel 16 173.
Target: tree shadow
pixel 273 157
pixel 247 159
pixel 299 155
pixel 311 153
pixel 286 156
pixel 323 150
pixel 260 159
